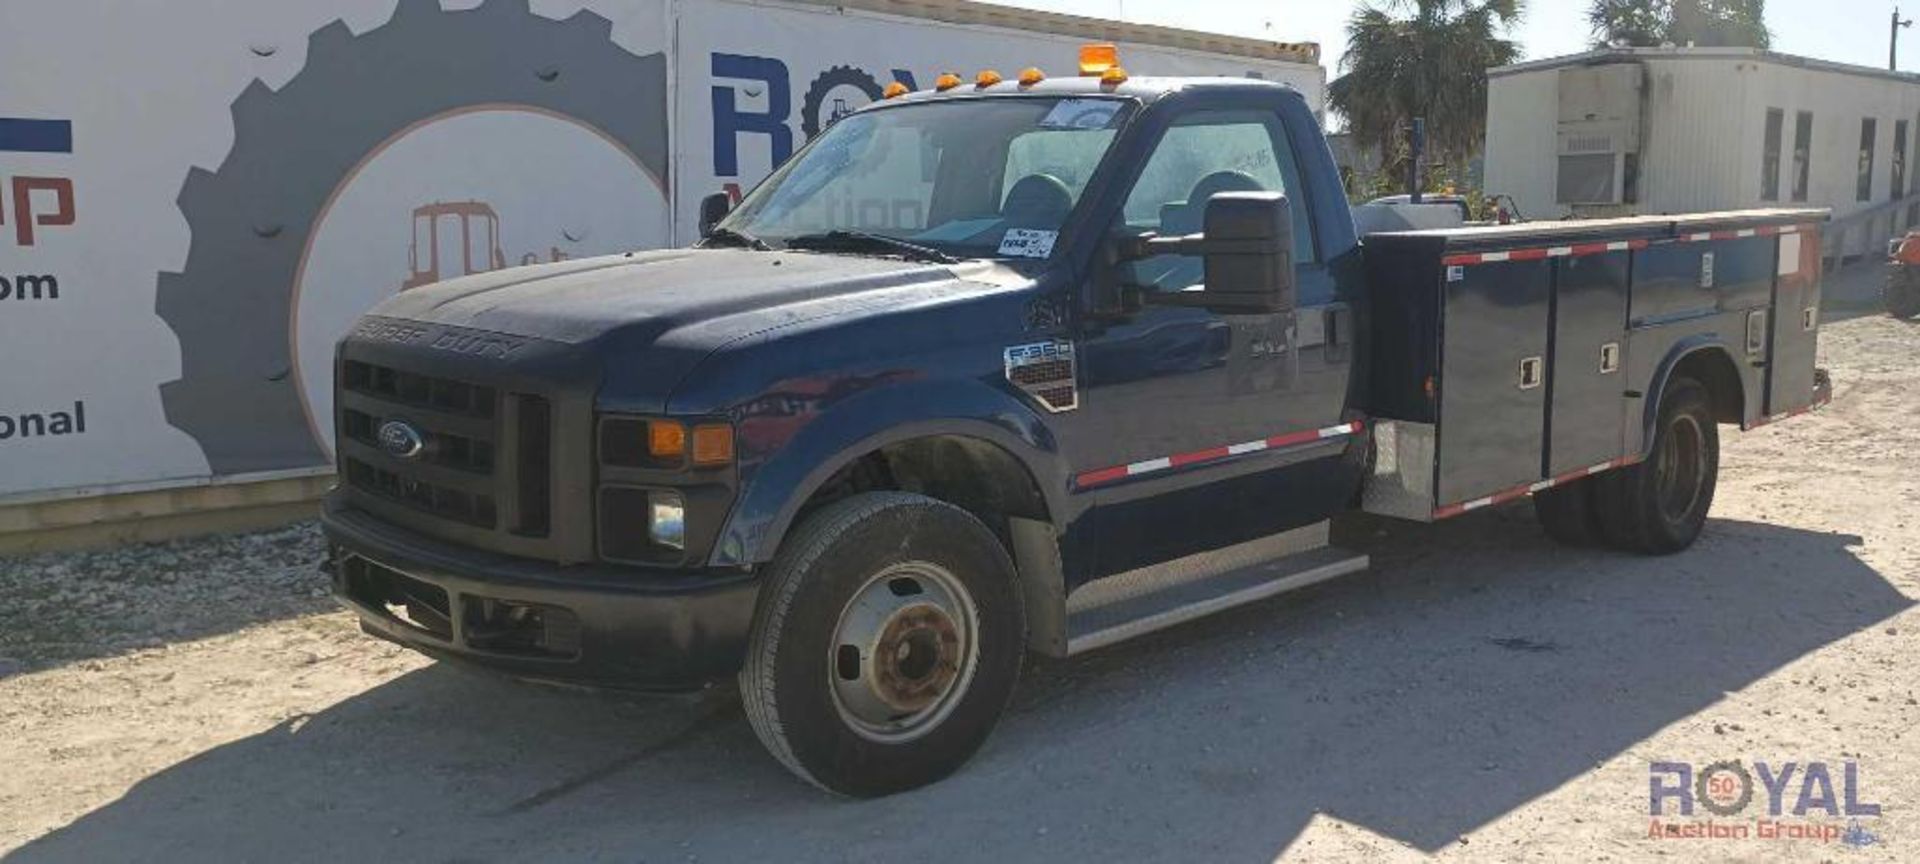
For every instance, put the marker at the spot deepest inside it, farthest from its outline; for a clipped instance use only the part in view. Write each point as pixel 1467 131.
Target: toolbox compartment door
pixel 1589 365
pixel 1492 419
pixel 1796 320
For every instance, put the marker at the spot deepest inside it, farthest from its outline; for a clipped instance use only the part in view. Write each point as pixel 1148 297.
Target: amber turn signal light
pixel 712 444
pixel 666 439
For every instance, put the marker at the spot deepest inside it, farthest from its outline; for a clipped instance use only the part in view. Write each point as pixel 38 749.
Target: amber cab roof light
pixel 1098 57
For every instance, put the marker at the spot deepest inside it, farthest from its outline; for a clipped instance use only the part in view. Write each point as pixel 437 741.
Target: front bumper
pixel 603 626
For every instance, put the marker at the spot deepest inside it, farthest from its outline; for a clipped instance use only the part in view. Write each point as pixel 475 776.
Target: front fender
pixel 773 491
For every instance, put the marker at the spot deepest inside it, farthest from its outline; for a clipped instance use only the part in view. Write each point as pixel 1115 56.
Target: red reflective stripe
pixel 1104 475
pixel 1182 459
pixel 1211 454
pixel 1292 438
pixel 1503 496
pixel 1537 253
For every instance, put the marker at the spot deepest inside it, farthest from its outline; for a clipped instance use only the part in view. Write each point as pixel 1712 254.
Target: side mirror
pixel 1247 250
pixel 714 208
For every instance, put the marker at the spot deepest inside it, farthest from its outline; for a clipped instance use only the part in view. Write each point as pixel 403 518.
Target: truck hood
pixel 650 294
pixel 648 317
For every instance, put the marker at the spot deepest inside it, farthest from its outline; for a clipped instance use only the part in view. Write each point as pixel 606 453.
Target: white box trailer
pixel 196 199
pixel 1674 130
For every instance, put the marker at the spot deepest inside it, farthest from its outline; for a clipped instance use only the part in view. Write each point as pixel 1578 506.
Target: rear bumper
pixel 616 627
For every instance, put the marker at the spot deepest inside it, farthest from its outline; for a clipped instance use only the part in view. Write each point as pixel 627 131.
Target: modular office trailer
pixel 200 198
pixel 1678 130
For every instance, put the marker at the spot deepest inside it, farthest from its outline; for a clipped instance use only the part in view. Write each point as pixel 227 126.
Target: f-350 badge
pixel 1045 371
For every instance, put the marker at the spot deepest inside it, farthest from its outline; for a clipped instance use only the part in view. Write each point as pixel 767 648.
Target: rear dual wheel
pixel 887 643
pixel 1658 506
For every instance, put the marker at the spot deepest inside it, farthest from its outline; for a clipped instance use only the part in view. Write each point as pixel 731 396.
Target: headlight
pixel 667 519
pixel 663 488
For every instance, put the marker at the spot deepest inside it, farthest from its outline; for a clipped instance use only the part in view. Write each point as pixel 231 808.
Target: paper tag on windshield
pixel 1081 114
pixel 1027 243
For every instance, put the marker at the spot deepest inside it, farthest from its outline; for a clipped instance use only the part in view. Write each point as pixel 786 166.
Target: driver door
pixel 1189 436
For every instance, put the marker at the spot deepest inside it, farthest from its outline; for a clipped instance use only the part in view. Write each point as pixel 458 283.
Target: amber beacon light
pixel 1097 58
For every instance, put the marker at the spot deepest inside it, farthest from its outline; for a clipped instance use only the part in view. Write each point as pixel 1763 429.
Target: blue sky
pixel 1847 31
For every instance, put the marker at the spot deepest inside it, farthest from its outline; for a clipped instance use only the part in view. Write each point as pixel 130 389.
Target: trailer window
pixel 1802 153
pixel 1899 161
pixel 1863 188
pixel 1770 156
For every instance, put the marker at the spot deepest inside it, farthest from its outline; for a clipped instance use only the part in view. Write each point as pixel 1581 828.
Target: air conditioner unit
pixel 1599 134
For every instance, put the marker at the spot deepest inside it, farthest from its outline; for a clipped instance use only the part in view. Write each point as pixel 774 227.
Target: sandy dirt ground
pixel 1479 695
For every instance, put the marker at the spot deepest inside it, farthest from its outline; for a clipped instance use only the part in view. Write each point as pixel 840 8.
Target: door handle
pixel 1532 371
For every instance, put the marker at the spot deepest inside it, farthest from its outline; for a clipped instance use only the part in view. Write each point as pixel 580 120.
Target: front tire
pixel 886 645
pixel 1660 506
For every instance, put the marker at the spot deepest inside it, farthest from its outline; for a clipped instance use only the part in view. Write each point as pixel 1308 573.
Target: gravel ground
pixel 1480 694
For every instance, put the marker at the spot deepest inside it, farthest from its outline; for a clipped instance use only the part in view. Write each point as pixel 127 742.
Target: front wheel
pixel 1660 505
pixel 886 644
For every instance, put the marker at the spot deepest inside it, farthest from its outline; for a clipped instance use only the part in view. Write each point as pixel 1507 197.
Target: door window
pixel 1203 155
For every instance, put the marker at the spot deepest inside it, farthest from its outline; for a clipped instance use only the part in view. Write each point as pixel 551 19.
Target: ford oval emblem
pixel 401 440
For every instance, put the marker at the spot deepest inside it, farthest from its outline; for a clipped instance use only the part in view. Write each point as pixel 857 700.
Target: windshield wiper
pixel 730 237
pixel 843 240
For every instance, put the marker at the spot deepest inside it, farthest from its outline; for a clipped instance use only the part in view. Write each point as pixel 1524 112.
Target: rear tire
pixel 1567 513
pixel 1901 294
pixel 1660 506
pixel 886 645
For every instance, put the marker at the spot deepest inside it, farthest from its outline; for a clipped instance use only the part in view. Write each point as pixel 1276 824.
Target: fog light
pixel 667 520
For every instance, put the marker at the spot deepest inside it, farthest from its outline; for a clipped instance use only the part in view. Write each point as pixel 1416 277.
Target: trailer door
pixel 1795 321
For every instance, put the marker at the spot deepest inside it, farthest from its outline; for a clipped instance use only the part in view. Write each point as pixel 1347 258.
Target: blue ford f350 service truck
pixel 1020 367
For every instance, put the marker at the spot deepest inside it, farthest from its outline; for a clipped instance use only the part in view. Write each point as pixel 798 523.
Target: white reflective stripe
pixel 1701 236
pixel 1560 251
pixel 1619 246
pixel 1599 468
pixel 1494 257
pixel 1150 465
pixel 1249 447
pixel 1744 232
pixel 1544 484
pixel 1477 503
pixel 1335 431
pixel 1790 229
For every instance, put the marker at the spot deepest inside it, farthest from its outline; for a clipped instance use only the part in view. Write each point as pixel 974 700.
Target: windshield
pixel 971 178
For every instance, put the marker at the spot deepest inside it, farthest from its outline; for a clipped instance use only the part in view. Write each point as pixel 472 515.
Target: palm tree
pixel 1707 23
pixel 1432 63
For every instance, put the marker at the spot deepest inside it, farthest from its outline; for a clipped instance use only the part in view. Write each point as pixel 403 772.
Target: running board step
pixel 1101 614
